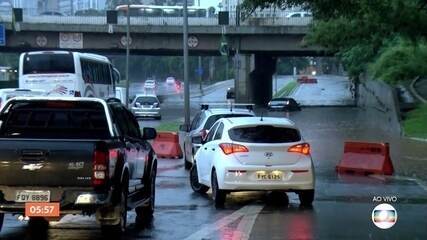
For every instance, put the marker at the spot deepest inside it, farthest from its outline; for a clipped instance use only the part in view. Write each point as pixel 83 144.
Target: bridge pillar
pixel 254 78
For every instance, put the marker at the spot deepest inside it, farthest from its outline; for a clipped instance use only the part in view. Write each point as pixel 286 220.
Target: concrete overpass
pixel 163 39
pixel 257 43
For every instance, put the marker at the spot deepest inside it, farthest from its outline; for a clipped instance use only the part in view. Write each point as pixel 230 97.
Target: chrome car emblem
pixel 32 166
pixel 268 154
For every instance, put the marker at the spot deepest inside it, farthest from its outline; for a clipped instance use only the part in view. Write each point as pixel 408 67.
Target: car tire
pixel 194 181
pixel 187 164
pixel 306 197
pixel 38 224
pixel 218 195
pixel 119 228
pixel 144 214
pixel 1 220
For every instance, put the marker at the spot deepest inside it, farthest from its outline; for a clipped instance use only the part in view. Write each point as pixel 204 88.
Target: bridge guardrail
pixel 160 21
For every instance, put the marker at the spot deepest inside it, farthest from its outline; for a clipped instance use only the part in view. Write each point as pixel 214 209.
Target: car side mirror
pixel 149 133
pixel 184 128
pixel 137 104
pixel 204 135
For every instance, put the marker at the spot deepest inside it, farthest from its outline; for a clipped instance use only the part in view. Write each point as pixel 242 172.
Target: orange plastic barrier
pixel 366 158
pixel 166 145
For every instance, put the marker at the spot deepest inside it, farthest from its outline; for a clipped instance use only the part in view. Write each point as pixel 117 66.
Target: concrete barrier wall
pixel 378 98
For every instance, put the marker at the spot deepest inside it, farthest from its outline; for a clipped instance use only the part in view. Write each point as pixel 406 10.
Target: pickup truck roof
pixel 64 99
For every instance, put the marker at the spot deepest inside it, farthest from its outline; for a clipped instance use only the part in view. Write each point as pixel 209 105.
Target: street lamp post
pixel 127 52
pixel 186 81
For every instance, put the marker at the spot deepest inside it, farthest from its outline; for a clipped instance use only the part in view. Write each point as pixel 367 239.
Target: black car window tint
pixel 211 133
pixel 218 134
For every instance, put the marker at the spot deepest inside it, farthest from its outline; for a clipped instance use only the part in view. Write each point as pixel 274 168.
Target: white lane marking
pixel 246 224
pixel 208 229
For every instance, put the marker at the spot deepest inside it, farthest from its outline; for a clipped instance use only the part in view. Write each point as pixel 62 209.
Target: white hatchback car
pixel 253 154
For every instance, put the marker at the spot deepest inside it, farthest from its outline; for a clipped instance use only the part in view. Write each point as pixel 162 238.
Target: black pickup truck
pixel 75 156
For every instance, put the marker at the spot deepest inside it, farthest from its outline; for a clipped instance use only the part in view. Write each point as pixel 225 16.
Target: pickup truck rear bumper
pixel 72 200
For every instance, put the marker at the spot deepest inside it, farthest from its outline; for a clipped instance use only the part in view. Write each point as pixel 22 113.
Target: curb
pixel 414 91
pixel 417 139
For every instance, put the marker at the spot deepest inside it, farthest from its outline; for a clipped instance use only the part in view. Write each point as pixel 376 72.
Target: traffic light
pixel 223 46
pixel 224 49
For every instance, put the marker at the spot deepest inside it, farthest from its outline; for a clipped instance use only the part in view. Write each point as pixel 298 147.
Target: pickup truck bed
pixel 74 154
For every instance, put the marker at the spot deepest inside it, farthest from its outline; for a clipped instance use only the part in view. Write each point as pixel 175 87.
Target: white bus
pixel 64 73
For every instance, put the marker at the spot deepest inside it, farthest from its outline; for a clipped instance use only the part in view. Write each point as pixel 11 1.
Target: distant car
pixel 170 81
pixel 298 14
pixel 230 93
pixel 253 154
pixel 283 104
pixel 146 105
pixel 8 93
pixel 204 120
pixel 150 83
pixel 51 13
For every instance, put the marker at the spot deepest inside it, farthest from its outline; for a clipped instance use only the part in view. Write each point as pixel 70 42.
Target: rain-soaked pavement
pixel 342 208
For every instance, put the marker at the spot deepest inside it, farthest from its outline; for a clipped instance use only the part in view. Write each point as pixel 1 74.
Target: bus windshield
pixel 48 63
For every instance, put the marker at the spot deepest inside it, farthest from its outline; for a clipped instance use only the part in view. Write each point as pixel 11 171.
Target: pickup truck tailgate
pixel 46 162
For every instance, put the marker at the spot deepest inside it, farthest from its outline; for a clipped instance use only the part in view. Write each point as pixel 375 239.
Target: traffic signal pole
pixel 186 80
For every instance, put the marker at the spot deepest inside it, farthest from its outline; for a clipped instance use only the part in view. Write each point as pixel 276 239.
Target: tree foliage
pixel 358 31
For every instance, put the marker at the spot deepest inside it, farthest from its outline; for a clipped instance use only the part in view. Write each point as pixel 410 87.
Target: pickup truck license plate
pixel 32 196
pixel 269 176
pixel 42 209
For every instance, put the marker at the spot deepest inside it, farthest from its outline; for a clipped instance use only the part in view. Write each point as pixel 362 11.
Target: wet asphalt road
pixel 342 208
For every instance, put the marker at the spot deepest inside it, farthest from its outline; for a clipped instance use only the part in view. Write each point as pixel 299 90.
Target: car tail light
pixel 100 167
pixel 229 148
pixel 303 148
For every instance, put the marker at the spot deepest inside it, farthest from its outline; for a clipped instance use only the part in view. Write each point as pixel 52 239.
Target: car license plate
pixel 32 196
pixel 42 209
pixel 274 176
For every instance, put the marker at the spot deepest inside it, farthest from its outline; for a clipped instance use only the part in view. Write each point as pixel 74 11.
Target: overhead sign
pixel 71 40
pixel 2 35
pixel 41 41
pixel 193 41
pixel 199 71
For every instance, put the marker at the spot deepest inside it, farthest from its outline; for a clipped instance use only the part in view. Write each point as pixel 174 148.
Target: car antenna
pixel 231 107
pixel 262 115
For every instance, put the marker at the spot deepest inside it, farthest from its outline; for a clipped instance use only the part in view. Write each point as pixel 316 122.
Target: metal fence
pixel 278 20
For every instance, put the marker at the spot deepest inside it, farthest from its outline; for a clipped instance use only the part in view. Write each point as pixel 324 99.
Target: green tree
pixel 358 31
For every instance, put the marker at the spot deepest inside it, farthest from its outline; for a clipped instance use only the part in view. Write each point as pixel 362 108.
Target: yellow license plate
pixel 269 176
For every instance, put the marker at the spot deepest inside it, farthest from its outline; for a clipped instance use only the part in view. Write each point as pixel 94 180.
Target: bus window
pixel 48 63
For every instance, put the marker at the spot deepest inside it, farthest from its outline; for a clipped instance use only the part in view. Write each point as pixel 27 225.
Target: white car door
pixel 205 156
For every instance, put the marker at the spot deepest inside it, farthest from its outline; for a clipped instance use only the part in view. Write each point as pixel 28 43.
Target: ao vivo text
pixel 390 199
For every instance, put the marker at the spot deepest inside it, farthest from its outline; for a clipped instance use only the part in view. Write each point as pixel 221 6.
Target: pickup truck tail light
pixel 100 168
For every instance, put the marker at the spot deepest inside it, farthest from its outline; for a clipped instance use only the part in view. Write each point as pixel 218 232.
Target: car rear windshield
pixel 264 134
pixel 146 100
pixel 55 120
pixel 212 119
pixel 48 63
